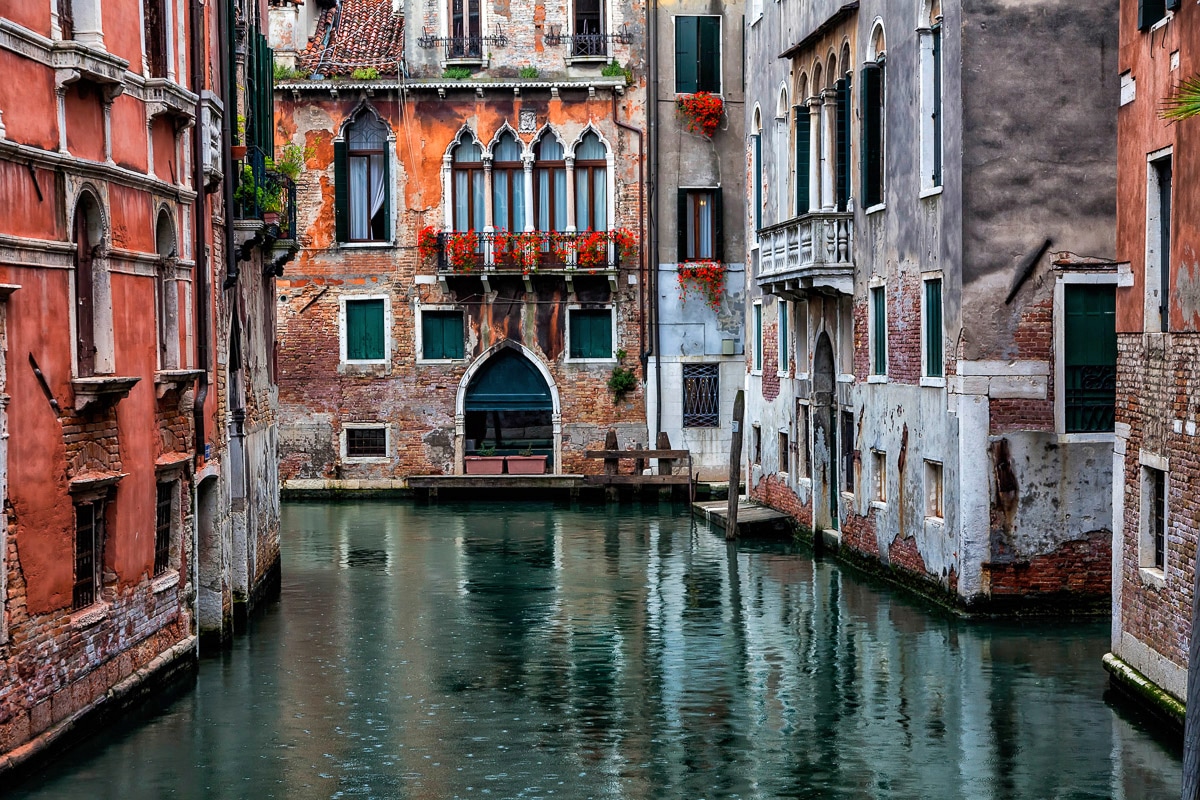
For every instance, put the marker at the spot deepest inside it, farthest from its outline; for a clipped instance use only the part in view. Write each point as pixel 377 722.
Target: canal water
pixel 524 651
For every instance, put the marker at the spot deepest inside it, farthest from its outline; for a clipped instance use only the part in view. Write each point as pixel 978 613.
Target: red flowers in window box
pixel 427 243
pixel 462 251
pixel 706 277
pixel 702 110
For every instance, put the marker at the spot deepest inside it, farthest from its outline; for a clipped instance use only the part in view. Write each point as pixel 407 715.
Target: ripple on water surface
pixel 522 651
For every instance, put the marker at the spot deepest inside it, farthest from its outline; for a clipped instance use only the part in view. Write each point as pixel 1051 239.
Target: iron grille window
pixel 162 528
pixel 89 532
pixel 1090 357
pixel 1158 517
pixel 366 442
pixel 589 39
pixel 701 396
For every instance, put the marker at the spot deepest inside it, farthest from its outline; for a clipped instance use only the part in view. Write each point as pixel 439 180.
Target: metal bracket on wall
pixel 37 373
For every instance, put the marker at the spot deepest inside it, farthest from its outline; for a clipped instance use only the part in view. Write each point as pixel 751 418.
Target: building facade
pixel 470 282
pixel 930 315
pixel 116 463
pixel 1156 450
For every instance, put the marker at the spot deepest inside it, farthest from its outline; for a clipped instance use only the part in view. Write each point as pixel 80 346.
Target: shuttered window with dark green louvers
pixel 878 331
pixel 872 134
pixel 1150 12
pixel 843 143
pixel 364 330
pixel 936 36
pixel 1090 357
pixel 933 329
pixel 803 157
pixel 697 54
pixel 341 192
pixel 758 182
pixel 591 333
pixel 441 335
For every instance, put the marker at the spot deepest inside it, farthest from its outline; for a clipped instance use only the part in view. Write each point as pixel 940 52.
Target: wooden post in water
pixel 665 465
pixel 1191 725
pixel 611 465
pixel 735 464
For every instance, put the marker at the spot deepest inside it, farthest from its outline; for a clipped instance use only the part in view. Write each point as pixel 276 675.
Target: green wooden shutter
pixel 453 336
pixel 842 152
pixel 803 158
pixel 388 231
pixel 872 134
pixel 341 192
pixel 1150 12
pixel 1172 5
pixel 718 213
pixel 933 329
pixel 232 102
pixel 709 68
pixel 937 105
pixel 758 338
pixel 681 224
pixel 758 200
pixel 782 310
pixel 1090 357
pixel 878 331
pixel 686 55
pixel 364 330
pixel 591 333
pixel 431 335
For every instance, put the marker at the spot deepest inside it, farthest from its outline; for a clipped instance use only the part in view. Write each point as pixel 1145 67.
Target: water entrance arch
pixel 508 401
pixel 824 437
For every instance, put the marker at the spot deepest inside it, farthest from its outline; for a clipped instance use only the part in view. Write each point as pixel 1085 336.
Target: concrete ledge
pixel 1145 694
pixel 176 664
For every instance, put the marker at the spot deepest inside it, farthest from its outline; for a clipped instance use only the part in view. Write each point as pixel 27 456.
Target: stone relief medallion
pixel 528 122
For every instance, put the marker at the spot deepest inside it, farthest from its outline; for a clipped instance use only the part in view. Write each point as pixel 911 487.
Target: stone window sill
pixel 165 581
pixel 933 383
pixel 101 390
pixel 89 616
pixel 877 379
pixel 1153 578
pixel 876 209
pixel 932 191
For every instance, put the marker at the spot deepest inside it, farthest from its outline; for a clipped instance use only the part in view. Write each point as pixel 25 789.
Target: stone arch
pixel 931 13
pixel 818 81
pixel 878 40
pixel 824 436
pixel 802 88
pixel 847 64
pixel 506 348
pixel 781 103
pixel 590 128
pixel 364 106
pixel 505 127
pixel 92 319
pixel 166 289
pixel 831 70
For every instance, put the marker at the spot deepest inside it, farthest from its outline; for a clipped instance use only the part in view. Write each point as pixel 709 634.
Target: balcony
pixel 588 45
pixel 811 252
pixel 461 47
pixel 485 254
pixel 264 194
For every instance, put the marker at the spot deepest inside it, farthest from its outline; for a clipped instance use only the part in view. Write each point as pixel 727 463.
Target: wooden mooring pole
pixel 1191 725
pixel 735 464
pixel 611 465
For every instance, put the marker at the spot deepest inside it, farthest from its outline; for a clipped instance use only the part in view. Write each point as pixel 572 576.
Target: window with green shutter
pixel 1090 357
pixel 803 157
pixel 784 355
pixel 933 329
pixel 697 54
pixel 758 338
pixel 872 134
pixel 878 331
pixel 365 330
pixel 441 335
pixel 591 333
pixel 843 143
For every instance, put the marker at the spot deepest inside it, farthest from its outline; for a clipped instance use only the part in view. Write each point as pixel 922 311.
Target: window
pixel 589 38
pixel 802 412
pixel 847 437
pixel 1154 518
pixel 591 184
pixel 934 361
pixel 784 453
pixel 756 445
pixel 701 396
pixel 806 193
pixel 1151 11
pixel 89 539
pixel 465 40
pixel 872 96
pixel 842 139
pixel 508 184
pixel 85 325
pixel 931 98
pixel 364 332
pixel 697 54
pixel 933 490
pixel 441 335
pixel 758 337
pixel 1158 243
pixel 879 473
pixel 590 333
pixel 156 37
pixel 366 442
pixel 550 185
pixel 163 527
pixel 1089 357
pixel 360 177
pixel 700 225
pixel 784 355
pixel 756 174
pixel 878 331
pixel 66 18
pixel 467 180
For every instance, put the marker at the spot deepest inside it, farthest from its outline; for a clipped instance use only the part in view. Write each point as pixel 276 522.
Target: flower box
pixel 483 465
pixel 526 465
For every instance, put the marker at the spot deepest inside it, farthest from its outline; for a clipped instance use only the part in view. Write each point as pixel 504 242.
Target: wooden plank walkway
pixel 753 519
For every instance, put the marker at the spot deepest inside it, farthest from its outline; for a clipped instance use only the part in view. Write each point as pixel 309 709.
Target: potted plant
pixel 526 463
pixel 484 462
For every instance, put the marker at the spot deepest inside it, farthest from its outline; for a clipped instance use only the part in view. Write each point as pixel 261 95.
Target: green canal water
pixel 526 651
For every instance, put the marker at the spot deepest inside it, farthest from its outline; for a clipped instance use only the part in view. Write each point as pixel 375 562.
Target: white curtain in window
pixel 500 200
pixel 360 217
pixel 600 200
pixel 462 196
pixel 706 225
pixel 552 217
pixel 377 187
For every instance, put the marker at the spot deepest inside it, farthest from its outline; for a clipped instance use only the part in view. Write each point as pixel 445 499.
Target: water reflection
pixel 534 652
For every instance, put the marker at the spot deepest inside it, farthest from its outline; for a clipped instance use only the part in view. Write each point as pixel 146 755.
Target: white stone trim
pixel 759 359
pixel 343 361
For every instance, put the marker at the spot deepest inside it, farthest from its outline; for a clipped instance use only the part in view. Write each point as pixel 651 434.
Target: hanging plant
pixel 702 111
pixel 626 240
pixel 427 244
pixel 622 380
pixel 706 277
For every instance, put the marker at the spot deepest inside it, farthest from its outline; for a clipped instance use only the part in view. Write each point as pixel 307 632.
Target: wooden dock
pixel 753 520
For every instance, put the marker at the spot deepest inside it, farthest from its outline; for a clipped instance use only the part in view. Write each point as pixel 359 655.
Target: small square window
pixel 700 225
pixel 441 335
pixel 164 525
pixel 590 333
pixel 366 442
pixel 933 490
pixel 784 452
pixel 89 547
pixel 879 473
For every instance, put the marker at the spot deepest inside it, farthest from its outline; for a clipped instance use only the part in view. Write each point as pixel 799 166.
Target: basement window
pixel 879 474
pixel 164 526
pixel 701 396
pixel 364 441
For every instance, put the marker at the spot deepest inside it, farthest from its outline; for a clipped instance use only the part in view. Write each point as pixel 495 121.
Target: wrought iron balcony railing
pixel 264 194
pixel 811 251
pixel 584 45
pixel 465 252
pixel 462 46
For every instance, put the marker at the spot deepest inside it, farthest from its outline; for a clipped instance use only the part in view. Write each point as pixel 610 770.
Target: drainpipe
pixel 652 188
pixel 198 62
pixel 641 223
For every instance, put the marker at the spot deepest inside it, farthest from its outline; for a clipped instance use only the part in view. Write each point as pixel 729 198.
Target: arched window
pixel 508 184
pixel 361 183
pixel 550 179
pixel 86 240
pixel 839 75
pixel 467 167
pixel 756 170
pixel 803 151
pixel 930 43
pixel 591 183
pixel 166 292
pixel 873 120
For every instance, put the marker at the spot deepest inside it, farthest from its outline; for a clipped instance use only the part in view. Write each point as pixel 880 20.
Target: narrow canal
pixel 526 651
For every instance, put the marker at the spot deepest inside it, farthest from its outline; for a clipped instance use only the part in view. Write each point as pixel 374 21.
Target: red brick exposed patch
pixel 1082 567
pixel 903 553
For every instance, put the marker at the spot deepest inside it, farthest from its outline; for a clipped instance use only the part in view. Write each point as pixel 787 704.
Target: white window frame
pixel 344 443
pixel 444 25
pixel 802 462
pixel 756 330
pixel 612 315
pixel 935 490
pixel 783 336
pixel 1150 574
pixel 387 331
pixel 879 478
pixel 784 454
pixel 1152 264
pixel 929 133
pixel 876 283
pixel 927 379
pixel 1060 355
pixel 393 168
pixel 419 333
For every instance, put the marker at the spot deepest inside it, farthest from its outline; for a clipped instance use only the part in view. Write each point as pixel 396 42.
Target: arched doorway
pixel 824 437
pixel 507 401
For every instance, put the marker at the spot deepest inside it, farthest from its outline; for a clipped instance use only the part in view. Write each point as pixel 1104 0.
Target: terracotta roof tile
pixel 361 33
